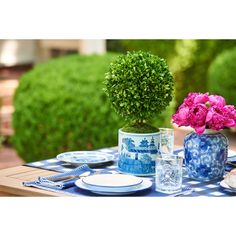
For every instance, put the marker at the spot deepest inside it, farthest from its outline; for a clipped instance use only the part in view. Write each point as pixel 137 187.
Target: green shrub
pixel 191 62
pixel 162 48
pixel 139 85
pixel 222 76
pixel 61 106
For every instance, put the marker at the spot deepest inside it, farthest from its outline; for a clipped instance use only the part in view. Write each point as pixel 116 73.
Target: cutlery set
pixel 66 181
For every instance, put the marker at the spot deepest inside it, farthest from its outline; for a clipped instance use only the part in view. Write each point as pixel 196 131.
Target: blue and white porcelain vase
pixel 138 152
pixel 205 155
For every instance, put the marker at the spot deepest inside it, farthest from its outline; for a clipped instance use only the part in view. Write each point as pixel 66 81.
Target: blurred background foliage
pixel 1 137
pixel 222 75
pixel 60 105
pixel 189 60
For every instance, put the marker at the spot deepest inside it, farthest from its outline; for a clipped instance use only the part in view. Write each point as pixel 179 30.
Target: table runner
pixel 208 189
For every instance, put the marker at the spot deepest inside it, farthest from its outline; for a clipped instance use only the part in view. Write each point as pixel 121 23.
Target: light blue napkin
pixel 50 182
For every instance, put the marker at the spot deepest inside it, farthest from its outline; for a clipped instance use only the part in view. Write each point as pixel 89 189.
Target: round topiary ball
pixel 139 85
pixel 222 76
pixel 60 106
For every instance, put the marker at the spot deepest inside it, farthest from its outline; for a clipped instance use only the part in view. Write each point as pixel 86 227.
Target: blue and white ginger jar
pixel 205 155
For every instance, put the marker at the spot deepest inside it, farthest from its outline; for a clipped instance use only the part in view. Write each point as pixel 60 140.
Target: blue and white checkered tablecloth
pixel 207 189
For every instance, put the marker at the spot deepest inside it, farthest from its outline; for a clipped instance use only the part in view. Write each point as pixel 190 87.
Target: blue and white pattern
pixel 60 166
pixel 207 189
pixel 91 158
pixel 205 155
pixel 137 153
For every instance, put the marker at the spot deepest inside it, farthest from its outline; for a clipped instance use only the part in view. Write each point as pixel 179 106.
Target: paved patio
pixel 9 158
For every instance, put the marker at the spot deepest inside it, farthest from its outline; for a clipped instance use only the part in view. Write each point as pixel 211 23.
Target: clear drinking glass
pixel 166 140
pixel 169 173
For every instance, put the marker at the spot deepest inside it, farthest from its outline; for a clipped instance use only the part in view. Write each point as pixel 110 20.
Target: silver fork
pixel 68 180
pixel 185 191
pixel 64 179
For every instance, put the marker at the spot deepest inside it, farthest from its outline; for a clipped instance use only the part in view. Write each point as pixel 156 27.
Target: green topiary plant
pixel 139 85
pixel 222 74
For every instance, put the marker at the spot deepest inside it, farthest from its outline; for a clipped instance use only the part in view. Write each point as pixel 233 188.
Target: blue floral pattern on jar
pixel 205 155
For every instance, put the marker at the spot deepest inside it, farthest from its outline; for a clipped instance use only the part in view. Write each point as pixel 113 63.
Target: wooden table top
pixel 11 182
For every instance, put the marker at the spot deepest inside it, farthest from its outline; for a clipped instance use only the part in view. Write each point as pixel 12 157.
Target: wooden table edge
pixel 14 186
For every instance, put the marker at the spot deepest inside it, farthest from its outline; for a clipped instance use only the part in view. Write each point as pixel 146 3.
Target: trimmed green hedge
pixel 222 76
pixel 61 106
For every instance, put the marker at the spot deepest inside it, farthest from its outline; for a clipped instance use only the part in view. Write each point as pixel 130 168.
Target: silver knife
pixel 68 177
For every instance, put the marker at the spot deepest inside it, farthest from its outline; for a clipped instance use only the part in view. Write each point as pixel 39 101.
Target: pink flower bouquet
pixel 203 111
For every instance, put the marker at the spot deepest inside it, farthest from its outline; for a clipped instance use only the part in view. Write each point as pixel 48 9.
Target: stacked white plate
pixel 226 187
pixel 113 184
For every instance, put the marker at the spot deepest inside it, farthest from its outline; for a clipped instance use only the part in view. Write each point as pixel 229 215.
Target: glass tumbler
pixel 168 178
pixel 166 140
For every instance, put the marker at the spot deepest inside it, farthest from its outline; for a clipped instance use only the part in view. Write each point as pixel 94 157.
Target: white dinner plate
pixel 227 187
pixel 90 158
pixel 112 182
pixel 115 192
pixel 231 155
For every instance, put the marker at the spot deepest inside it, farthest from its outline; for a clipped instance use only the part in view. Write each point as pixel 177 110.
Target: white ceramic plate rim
pixel 91 181
pixel 226 186
pixel 144 185
pixel 107 157
pixel 231 153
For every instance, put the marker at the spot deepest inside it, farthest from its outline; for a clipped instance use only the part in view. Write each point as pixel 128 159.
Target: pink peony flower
pixel 194 98
pixel 230 115
pixel 215 118
pixel 216 100
pixel 201 98
pixel 197 117
pixel 181 116
pixel 201 111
